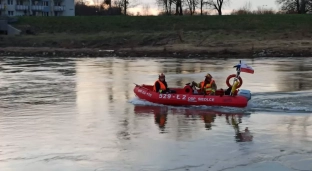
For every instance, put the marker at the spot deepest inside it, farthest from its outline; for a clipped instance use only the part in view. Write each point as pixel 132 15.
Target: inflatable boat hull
pixel 185 97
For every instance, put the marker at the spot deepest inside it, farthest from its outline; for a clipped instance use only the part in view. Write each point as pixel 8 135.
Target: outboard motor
pixel 244 93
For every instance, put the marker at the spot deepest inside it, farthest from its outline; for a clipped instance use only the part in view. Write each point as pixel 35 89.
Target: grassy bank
pixel 246 35
pixel 164 23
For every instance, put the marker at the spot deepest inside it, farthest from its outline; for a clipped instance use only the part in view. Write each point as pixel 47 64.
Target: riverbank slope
pixel 184 36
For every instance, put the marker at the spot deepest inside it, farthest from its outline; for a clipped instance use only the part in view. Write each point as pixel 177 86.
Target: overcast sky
pixel 234 4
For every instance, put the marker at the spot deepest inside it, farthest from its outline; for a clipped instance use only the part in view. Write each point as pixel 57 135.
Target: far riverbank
pixel 233 36
pixel 239 50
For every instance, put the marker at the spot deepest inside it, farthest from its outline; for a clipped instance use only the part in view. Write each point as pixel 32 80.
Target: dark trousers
pixel 228 91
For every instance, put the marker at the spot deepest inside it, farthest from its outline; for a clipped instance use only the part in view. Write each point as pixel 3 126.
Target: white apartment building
pixel 37 7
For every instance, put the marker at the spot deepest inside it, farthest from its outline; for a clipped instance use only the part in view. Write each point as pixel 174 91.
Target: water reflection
pixel 31 81
pixel 37 77
pixel 81 110
pixel 240 136
pixel 161 118
pixel 207 117
pixel 295 75
pixel 118 75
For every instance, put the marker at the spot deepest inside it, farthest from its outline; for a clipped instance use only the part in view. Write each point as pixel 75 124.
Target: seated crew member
pixel 160 85
pixel 208 86
pixel 228 91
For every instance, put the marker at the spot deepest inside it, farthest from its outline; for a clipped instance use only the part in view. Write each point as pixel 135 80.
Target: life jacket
pixel 206 87
pixel 162 86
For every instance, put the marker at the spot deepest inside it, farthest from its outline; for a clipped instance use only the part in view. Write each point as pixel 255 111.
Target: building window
pixel 46 14
pixel 45 3
pixel 10 13
pixel 10 2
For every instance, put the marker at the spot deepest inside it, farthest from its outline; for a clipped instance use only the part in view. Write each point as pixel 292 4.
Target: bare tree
pixel 291 6
pixel 83 9
pixel 192 4
pixel 108 2
pixel 245 9
pixel 146 9
pixel 202 3
pixel 179 9
pixel 217 4
pixel 166 5
pixel 118 3
pixel 125 5
pixel 295 6
pixel 247 6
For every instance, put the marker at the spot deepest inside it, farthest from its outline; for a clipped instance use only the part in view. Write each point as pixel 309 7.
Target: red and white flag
pixel 245 68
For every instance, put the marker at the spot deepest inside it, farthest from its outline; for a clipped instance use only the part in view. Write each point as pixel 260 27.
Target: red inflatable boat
pixel 185 96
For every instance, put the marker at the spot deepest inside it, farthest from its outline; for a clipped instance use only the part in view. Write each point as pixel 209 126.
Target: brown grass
pixel 207 39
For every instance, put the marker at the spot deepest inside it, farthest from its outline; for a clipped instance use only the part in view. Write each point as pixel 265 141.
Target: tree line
pixel 105 7
pixel 175 7
pixel 188 7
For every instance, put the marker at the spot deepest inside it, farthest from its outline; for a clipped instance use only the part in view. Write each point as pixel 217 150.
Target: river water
pixel 81 114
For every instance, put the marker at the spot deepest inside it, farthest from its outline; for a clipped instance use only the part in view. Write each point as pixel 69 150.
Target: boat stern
pixel 244 93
